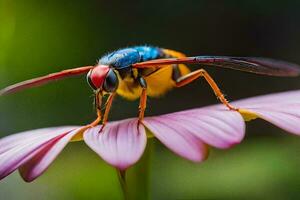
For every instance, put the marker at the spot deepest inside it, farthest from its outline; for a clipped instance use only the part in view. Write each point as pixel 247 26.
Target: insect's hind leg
pixel 188 78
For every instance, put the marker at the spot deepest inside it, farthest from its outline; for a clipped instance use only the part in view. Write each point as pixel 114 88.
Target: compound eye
pixel 97 76
pixel 111 81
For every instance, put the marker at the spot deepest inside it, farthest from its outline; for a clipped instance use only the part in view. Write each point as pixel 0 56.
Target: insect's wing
pixel 265 66
pixel 45 79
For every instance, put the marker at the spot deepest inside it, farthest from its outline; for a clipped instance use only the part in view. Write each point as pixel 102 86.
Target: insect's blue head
pixel 103 78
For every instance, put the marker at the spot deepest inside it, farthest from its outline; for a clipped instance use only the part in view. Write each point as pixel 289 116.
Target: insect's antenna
pixel 45 79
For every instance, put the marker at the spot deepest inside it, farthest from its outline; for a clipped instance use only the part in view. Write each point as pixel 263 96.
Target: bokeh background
pixel 39 37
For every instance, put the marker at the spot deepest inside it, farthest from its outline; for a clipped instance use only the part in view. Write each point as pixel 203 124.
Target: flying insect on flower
pixel 141 71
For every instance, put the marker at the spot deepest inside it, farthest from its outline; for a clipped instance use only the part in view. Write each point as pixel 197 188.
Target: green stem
pixel 122 180
pixel 135 182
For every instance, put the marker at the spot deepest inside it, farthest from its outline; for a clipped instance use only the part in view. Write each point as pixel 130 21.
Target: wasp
pixel 141 71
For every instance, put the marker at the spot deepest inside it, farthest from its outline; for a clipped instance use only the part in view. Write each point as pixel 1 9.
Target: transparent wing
pixel 264 66
pixel 45 79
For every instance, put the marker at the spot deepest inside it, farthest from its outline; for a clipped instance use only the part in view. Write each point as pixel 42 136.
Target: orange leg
pixel 98 100
pixel 188 78
pixel 98 103
pixel 143 104
pixel 94 123
pixel 107 108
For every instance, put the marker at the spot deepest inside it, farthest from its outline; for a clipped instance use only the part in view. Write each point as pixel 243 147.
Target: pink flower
pixel 121 144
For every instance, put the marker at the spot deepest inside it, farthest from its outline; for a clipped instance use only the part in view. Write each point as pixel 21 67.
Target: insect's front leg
pixel 188 78
pixel 98 101
pixel 108 105
pixel 143 98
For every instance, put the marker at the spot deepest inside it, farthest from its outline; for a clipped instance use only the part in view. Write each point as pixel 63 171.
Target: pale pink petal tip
pixel 183 131
pixel 120 143
pixel 280 109
pixel 22 149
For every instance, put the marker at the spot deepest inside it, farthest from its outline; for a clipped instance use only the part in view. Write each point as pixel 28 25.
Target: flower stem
pixel 135 182
pixel 122 180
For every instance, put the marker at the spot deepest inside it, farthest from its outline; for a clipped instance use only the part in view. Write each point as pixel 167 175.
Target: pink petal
pixel 44 156
pixel 215 126
pixel 177 138
pixel 269 99
pixel 17 149
pixel 280 109
pixel 18 139
pixel 121 143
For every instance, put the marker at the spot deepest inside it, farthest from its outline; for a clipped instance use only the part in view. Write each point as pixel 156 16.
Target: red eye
pixel 97 75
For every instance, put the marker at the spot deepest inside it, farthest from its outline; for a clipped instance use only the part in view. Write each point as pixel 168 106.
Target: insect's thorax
pixel 158 80
pixel 124 58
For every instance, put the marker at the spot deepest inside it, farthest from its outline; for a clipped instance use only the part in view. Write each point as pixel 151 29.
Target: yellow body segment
pixel 159 80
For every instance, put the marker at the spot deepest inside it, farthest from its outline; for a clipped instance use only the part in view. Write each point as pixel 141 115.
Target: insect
pixel 141 71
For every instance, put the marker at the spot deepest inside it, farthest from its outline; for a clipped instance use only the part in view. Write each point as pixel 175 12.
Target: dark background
pixel 40 37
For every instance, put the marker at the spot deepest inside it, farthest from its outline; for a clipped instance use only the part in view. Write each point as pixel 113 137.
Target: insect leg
pixel 143 98
pixel 80 132
pixel 176 73
pixel 188 78
pixel 98 100
pixel 108 107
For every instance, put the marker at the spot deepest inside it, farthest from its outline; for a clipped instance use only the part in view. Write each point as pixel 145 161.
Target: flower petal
pixel 280 109
pixel 177 138
pixel 268 99
pixel 215 126
pixel 18 139
pixel 285 116
pixel 17 149
pixel 120 143
pixel 44 156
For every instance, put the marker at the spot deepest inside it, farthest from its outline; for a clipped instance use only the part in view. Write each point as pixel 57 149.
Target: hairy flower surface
pixel 122 143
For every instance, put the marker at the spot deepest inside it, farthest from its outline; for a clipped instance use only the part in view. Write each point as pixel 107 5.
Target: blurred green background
pixel 39 37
